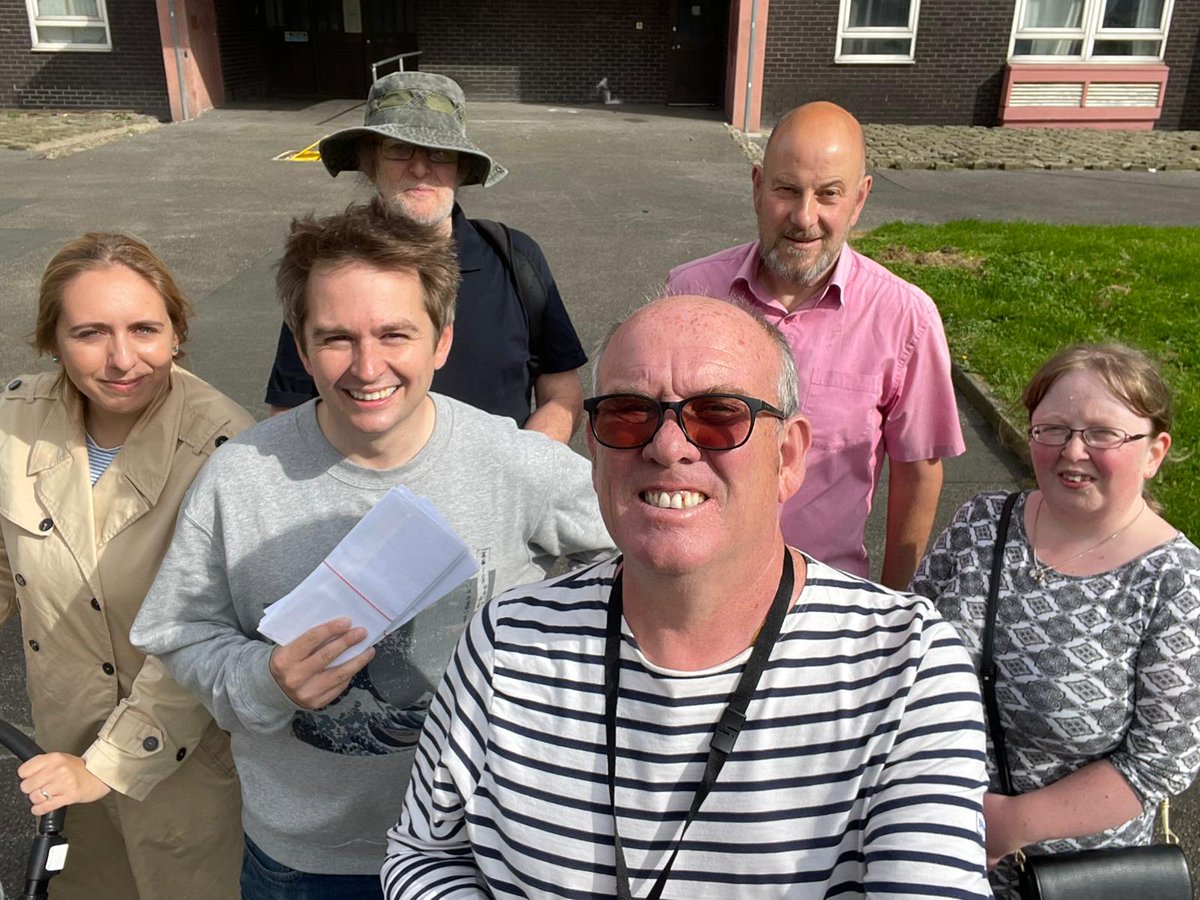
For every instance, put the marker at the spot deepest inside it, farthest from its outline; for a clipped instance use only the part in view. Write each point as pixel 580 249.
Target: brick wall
pixel 1181 106
pixel 239 31
pixel 130 76
pixel 956 78
pixel 551 51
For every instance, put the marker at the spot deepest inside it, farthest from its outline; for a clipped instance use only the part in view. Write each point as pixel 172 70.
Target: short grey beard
pixel 428 221
pixel 800 273
pixel 396 208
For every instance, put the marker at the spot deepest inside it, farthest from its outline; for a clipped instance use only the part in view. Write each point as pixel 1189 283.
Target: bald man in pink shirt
pixel 871 353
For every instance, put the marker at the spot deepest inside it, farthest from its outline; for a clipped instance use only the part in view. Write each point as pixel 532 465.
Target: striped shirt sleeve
pixel 429 853
pixel 924 830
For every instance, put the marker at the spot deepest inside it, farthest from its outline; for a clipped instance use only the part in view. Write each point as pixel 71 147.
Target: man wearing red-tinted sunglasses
pixel 713 713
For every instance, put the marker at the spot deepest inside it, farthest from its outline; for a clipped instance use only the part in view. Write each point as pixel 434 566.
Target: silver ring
pixel 45 796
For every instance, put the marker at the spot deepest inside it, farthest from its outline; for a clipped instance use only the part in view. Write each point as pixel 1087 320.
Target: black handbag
pixel 1154 872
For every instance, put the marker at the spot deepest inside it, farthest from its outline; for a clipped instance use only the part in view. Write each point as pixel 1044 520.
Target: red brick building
pixel 1107 63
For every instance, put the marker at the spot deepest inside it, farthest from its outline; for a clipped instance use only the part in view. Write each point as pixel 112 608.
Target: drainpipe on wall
pixel 749 65
pixel 183 103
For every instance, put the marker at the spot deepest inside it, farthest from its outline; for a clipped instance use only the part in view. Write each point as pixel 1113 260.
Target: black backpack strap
pixel 526 280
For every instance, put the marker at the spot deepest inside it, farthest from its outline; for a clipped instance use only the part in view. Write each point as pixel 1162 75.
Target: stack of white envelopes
pixel 398 560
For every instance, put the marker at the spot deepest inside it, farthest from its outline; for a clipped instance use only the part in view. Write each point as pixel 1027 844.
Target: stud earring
pixel 175 350
pixel 54 357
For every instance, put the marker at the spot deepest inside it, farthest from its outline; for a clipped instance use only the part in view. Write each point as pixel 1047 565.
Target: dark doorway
pixel 697 52
pixel 324 48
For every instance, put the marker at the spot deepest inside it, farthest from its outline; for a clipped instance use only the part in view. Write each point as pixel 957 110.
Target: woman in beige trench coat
pixel 155 802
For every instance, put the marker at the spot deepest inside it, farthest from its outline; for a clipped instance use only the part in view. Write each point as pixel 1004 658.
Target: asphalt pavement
pixel 616 196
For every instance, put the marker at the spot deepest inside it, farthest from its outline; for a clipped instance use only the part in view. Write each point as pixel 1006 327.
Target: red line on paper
pixel 366 600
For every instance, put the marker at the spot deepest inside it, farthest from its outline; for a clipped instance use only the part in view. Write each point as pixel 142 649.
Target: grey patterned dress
pixel 1090 667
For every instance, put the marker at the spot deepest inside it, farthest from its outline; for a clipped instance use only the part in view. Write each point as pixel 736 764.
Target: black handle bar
pixel 37 874
pixel 22 747
pixel 25 749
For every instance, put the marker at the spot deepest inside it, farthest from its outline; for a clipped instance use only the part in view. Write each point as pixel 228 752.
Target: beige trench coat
pixel 75 563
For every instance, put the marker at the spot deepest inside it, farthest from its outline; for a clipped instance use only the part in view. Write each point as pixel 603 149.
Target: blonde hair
pixel 1130 376
pixel 98 250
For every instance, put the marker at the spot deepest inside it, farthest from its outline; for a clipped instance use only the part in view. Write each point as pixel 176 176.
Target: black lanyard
pixel 728 727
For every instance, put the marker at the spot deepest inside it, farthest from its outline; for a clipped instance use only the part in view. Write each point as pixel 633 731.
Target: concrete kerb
pixel 63 146
pixel 979 394
pixel 751 144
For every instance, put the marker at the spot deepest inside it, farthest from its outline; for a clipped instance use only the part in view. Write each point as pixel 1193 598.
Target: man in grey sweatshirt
pixel 324 753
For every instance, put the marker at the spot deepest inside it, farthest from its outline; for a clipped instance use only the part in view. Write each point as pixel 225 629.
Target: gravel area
pixel 976 147
pixel 51 133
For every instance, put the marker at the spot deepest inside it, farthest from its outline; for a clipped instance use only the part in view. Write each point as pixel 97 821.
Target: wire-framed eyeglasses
pixel 1098 437
pixel 402 151
pixel 710 421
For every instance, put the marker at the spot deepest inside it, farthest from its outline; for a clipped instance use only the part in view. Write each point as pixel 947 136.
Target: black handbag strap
pixel 987 663
pixel 728 727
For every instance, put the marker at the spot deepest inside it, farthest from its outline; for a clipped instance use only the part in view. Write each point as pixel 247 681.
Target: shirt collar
pixel 835 288
pixel 834 293
pixel 471 247
pixel 148 449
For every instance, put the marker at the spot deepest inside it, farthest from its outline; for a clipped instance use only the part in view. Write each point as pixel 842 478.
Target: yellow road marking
pixel 308 154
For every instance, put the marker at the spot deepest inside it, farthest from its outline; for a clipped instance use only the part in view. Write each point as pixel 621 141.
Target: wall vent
pixel 1049 94
pixel 1109 94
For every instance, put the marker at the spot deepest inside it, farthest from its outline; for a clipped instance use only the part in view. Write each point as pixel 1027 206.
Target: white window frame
pixel 845 32
pixel 1088 33
pixel 37 20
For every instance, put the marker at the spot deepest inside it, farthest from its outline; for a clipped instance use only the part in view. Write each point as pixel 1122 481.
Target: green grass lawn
pixel 1012 294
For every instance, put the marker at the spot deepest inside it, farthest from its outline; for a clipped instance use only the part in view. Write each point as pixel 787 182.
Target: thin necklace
pixel 1039 569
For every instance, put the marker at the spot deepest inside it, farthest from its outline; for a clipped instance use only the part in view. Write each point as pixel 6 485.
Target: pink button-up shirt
pixel 874 375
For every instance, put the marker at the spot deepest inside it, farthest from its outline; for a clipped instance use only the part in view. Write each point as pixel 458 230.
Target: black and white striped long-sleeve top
pixel 859 773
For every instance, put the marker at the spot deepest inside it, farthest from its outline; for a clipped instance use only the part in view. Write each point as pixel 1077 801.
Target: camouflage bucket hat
pixel 419 107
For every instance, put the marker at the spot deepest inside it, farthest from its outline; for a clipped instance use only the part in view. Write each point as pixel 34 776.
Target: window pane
pixel 877 47
pixel 328 16
pixel 292 15
pixel 70 35
pixel 701 20
pixel 1133 14
pixel 1053 14
pixel 1048 48
pixel 88 8
pixel 879 14
pixel 1125 48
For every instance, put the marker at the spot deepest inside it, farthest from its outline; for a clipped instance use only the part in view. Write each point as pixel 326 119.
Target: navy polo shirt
pixel 488 365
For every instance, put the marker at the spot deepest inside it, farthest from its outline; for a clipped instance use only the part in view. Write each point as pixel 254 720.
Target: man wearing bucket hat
pixel 513 339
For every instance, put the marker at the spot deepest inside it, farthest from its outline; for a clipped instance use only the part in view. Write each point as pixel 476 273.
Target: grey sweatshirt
pixel 320 789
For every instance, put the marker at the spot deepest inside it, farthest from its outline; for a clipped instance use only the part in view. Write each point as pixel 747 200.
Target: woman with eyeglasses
pixel 1097 632
pixel 95 458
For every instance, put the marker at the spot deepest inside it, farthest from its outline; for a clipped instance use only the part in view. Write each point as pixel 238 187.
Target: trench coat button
pixel 220 439
pixel 108 668
pixel 95 604
pixel 181 754
pixel 46 524
pixel 14 384
pixel 34 646
pixel 150 744
pixel 19 579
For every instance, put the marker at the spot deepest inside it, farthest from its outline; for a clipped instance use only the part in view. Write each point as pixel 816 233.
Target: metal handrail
pixel 383 62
